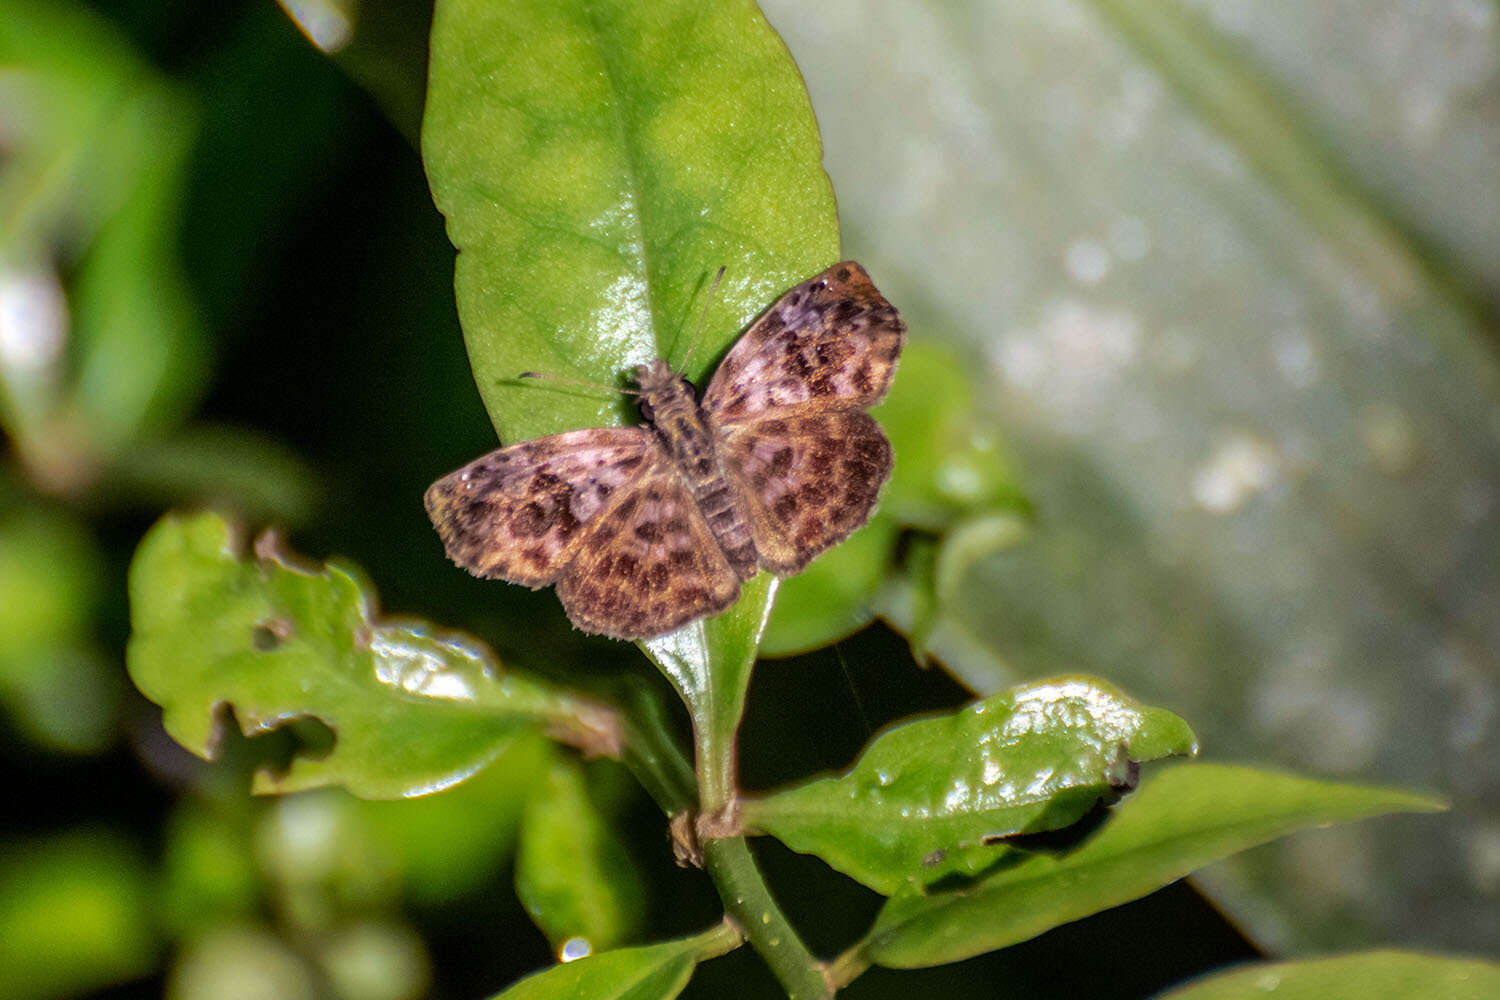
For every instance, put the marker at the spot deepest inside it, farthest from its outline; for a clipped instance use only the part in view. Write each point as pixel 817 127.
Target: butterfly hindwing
pixel 649 566
pixel 517 512
pixel 829 343
pixel 810 480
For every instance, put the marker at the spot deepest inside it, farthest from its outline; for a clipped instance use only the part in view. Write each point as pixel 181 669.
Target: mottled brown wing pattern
pixel 633 524
pixel 649 566
pixel 810 480
pixel 830 343
pixel 516 512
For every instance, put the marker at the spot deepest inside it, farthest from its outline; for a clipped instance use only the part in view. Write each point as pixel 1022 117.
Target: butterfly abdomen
pixel 690 442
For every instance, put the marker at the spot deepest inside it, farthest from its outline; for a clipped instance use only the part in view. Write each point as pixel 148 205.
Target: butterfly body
pixel 670 407
pixel 644 529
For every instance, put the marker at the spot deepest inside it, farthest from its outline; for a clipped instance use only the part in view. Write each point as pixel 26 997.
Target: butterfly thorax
pixel 668 403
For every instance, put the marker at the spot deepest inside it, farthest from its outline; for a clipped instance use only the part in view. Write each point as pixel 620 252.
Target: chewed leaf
pixel 411 709
pixel 936 797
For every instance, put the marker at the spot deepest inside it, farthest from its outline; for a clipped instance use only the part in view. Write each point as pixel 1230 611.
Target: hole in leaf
pixel 268 636
pixel 272 744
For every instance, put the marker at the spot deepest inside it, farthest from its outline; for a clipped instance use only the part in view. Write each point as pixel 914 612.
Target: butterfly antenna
pixel 693 344
pixel 568 380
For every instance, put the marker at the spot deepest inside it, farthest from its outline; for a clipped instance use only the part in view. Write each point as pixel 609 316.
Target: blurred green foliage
pixel 223 282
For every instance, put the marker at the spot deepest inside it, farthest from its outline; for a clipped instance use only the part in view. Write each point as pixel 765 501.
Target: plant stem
pixel 847 967
pixel 749 902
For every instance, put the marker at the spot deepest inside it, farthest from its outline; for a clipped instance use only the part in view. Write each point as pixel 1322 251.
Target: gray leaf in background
pixel 1232 269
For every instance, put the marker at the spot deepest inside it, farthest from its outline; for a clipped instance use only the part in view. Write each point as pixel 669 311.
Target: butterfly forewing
pixel 648 567
pixel 830 343
pixel 516 512
pixel 811 480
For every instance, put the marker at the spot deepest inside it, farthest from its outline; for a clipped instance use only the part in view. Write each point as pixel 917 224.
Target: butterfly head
pixel 655 377
pixel 662 389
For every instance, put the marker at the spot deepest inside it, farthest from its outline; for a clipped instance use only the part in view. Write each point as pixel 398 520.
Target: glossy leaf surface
pixel 412 710
pixel 653 972
pixel 573 874
pixel 1371 975
pixel 936 797
pixel 1180 819
pixel 597 163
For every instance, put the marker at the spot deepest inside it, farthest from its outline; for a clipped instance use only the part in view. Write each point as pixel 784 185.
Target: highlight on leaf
pixel 940 796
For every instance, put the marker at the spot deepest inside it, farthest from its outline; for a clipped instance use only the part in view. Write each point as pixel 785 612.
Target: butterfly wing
pixel 829 343
pixel 517 513
pixel 649 565
pixel 786 406
pixel 808 479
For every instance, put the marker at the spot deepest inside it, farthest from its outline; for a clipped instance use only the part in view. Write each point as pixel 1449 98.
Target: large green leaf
pixel 1225 276
pixel 1371 975
pixel 653 972
pixel 1180 819
pixel 935 797
pixel 412 710
pixel 597 163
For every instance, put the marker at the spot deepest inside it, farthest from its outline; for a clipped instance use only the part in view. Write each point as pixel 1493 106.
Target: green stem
pixel 749 903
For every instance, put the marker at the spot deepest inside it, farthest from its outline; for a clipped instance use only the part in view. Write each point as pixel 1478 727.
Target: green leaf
pixel 653 972
pixel 444 845
pixel 710 662
pixel 597 163
pixel 573 875
pixel 75 915
pixel 1180 819
pixel 412 710
pixel 1371 975
pixel 933 797
pixel 949 464
pixel 835 595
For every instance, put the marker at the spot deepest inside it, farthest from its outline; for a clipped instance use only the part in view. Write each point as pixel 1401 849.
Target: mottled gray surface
pixel 1248 365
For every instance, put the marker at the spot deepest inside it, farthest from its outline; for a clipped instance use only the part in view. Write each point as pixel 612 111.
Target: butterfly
pixel 645 529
